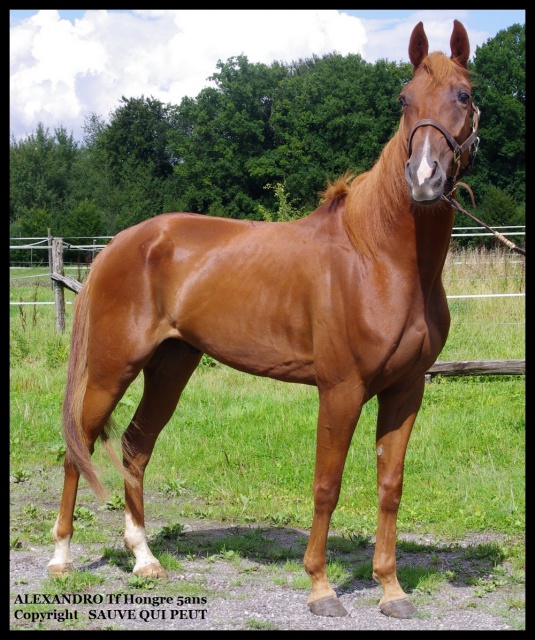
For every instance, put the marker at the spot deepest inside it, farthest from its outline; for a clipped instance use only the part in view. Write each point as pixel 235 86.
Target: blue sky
pixel 487 20
pixel 66 65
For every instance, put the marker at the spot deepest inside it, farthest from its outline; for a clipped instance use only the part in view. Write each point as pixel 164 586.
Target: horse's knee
pixel 389 494
pixel 326 496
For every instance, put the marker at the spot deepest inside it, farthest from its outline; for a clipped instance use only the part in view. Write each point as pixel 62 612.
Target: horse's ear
pixel 418 45
pixel 460 46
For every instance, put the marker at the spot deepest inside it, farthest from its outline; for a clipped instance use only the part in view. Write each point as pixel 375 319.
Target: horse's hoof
pixel 57 570
pixel 154 570
pixel 331 607
pixel 398 608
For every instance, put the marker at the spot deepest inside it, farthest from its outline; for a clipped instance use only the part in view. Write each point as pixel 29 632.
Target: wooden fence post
pixel 50 266
pixel 59 296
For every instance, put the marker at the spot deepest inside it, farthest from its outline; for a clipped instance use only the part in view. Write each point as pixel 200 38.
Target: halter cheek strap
pixel 471 143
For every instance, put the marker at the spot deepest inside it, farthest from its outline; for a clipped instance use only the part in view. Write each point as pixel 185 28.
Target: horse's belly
pixel 250 329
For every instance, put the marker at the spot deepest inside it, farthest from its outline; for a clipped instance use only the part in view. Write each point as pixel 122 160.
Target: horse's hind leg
pixel 99 403
pixel 61 562
pixel 165 377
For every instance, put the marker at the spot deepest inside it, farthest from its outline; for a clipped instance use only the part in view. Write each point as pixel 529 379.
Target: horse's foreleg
pixel 338 414
pixel 164 379
pixel 396 416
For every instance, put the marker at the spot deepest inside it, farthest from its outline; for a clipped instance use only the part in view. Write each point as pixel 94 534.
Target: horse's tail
pixel 78 452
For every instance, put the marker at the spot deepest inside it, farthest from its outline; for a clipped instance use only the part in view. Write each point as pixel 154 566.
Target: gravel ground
pixel 246 594
pixel 254 588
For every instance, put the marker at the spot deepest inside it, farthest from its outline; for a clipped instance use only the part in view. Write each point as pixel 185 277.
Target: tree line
pixel 259 144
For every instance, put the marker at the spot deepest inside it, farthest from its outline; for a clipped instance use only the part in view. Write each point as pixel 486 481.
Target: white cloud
pixel 61 73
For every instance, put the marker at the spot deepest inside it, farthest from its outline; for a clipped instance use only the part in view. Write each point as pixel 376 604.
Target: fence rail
pixel 56 246
pixel 478 368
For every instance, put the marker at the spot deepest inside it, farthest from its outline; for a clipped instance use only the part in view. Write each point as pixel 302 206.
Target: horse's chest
pixel 413 349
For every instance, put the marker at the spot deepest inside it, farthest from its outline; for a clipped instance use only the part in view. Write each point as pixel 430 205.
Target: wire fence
pixel 22 249
pixel 82 250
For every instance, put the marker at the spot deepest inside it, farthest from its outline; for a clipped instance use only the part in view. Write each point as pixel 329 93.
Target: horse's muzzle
pixel 425 189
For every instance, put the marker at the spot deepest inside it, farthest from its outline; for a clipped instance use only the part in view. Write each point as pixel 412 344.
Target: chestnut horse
pixel 349 299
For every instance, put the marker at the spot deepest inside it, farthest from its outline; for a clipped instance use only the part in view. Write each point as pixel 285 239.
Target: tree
pixel 85 220
pixel 333 114
pixel 33 223
pixel 289 125
pixel 500 75
pixel 220 135
pixel 40 171
pixel 137 134
pixel 129 161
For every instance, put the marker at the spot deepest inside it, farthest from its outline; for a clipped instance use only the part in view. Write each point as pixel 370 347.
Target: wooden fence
pixel 477 368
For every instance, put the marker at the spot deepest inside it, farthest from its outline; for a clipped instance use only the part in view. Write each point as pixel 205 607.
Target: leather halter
pixel 471 143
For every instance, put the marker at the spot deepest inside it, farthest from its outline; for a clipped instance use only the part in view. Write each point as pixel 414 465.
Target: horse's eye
pixel 402 101
pixel 464 97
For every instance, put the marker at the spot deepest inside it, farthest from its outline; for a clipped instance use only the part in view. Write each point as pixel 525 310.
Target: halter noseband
pixel 471 143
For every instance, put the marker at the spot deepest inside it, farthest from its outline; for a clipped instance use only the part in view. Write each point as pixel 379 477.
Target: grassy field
pixel 241 448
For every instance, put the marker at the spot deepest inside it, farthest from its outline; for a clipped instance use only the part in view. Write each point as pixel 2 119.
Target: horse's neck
pixel 378 213
pixel 433 237
pixel 382 222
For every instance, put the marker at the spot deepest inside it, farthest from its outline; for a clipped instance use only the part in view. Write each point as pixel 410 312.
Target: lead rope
pixel 457 206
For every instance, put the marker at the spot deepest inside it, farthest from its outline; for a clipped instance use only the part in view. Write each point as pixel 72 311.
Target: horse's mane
pixel 374 198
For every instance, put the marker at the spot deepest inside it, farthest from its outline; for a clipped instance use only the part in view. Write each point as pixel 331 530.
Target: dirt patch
pixel 217 584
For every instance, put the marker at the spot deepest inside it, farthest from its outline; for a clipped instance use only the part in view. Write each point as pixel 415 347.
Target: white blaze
pixel 425 170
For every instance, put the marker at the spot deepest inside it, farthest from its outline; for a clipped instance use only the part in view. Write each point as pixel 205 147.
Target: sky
pixel 66 65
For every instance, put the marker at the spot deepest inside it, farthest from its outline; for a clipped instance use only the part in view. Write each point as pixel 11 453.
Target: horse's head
pixel 437 116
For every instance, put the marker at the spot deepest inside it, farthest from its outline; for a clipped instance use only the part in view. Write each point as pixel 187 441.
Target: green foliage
pixel 219 136
pixel 15 543
pixel 115 502
pixel 39 171
pixel 83 514
pixel 21 475
pixel 421 580
pixel 294 124
pixel 175 487
pixel 138 134
pixel 32 223
pixel 141 583
pixel 75 582
pixel 500 208
pixel 285 211
pixel 208 361
pixel 84 220
pixel 500 93
pixel 259 625
pixel 495 207
pixel 119 558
